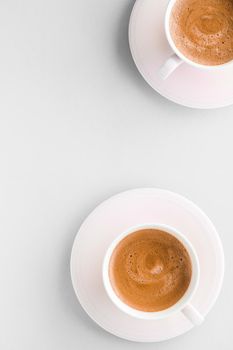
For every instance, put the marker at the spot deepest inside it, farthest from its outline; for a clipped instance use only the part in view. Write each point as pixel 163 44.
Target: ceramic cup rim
pixel 181 303
pixel 178 52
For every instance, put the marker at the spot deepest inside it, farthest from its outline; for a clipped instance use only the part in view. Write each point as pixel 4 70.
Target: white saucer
pixel 118 214
pixel 187 86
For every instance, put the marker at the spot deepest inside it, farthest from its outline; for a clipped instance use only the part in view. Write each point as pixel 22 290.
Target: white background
pixel 77 125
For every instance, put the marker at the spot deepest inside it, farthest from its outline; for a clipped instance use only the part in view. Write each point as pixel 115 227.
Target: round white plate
pixel 187 86
pixel 118 214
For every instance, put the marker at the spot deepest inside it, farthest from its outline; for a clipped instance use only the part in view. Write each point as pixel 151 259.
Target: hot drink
pixel 202 30
pixel 150 270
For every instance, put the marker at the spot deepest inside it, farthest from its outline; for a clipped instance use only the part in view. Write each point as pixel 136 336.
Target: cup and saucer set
pixel 147 265
pixel 166 69
pixel 120 217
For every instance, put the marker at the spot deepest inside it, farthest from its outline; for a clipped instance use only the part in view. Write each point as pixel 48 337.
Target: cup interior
pixel 178 52
pixel 175 307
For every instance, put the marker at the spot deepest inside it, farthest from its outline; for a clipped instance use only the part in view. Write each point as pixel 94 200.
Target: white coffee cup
pixel 178 58
pixel 183 305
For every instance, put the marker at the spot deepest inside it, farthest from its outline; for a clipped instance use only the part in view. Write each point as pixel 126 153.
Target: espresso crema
pixel 150 270
pixel 203 30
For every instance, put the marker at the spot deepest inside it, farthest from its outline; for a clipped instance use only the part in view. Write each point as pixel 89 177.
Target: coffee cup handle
pixel 193 315
pixel 169 66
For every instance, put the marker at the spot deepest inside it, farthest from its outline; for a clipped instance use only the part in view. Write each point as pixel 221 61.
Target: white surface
pixel 77 125
pixel 111 219
pixel 188 85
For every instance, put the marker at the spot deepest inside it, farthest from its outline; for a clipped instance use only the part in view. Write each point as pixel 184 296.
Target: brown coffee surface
pixel 203 30
pixel 150 270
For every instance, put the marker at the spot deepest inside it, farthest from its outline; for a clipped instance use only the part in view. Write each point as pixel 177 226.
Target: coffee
pixel 150 270
pixel 203 30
